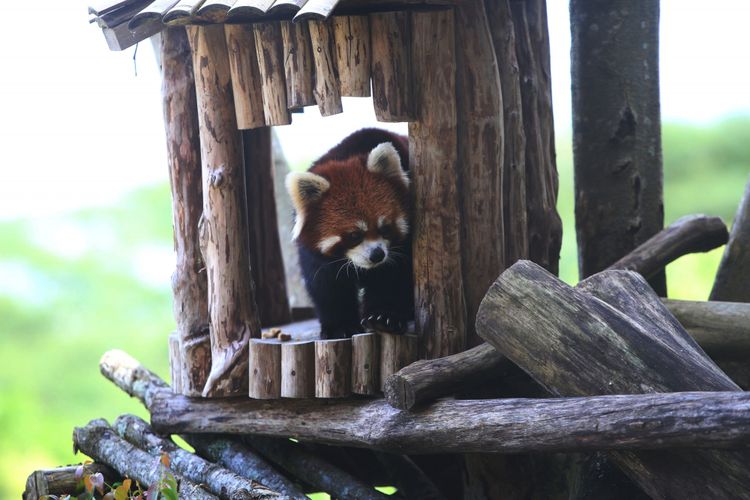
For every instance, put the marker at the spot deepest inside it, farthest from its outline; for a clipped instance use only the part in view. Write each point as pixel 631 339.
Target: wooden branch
pixel 298 64
pixel 240 459
pixel 327 89
pixel 318 10
pixel 439 299
pixel 62 481
pixel 689 234
pixel 268 46
pixel 733 276
pixel 391 66
pixel 233 313
pixel 216 479
pixel 246 88
pixel 100 442
pixel 352 36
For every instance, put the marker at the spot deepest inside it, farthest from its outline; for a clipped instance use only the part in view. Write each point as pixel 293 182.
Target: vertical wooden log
pixel 439 300
pixel 265 369
pixel 515 223
pixel 327 84
pixel 233 314
pixel 246 88
pixel 396 351
pixel 297 369
pixel 298 64
pixel 480 157
pixel 189 286
pixel 268 47
pixel 352 36
pixel 175 362
pixel 266 262
pixel 532 42
pixel 333 367
pixel 391 65
pixel 733 277
pixel 365 363
pixel 616 130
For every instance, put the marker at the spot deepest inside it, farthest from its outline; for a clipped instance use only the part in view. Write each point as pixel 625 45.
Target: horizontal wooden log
pixel 689 234
pixel 733 276
pixel 218 480
pixel 62 481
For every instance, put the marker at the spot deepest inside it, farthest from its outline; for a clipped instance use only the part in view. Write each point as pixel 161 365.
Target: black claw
pixel 388 322
pixel 363 322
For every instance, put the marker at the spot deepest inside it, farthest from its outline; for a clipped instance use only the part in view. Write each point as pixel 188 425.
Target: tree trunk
pixel 733 275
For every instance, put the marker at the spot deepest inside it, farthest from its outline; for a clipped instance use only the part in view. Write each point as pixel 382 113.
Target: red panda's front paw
pixel 383 323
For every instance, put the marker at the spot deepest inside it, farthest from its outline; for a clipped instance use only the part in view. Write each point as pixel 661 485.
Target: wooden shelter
pixel 632 375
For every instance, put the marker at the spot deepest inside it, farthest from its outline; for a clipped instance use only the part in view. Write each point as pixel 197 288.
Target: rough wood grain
pixel 396 351
pixel 733 276
pixel 439 300
pixel 318 10
pixel 630 344
pixel 175 362
pixel 480 157
pixel 218 480
pixel 298 64
pixel 365 363
pixel 352 36
pixel 246 88
pixel 266 262
pixel 391 66
pixel 333 367
pixel 265 369
pixel 616 130
pixel 268 47
pixel 62 481
pixel 233 313
pixel 689 234
pixel 327 89
pixel 298 369
pixel 99 441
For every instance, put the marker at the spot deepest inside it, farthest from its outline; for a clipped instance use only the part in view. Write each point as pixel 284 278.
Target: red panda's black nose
pixel 377 255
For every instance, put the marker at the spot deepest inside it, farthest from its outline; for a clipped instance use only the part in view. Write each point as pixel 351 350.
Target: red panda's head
pixel 357 208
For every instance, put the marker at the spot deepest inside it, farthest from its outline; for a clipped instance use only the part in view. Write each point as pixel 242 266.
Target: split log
pixel 233 314
pixel 642 421
pixel 240 459
pixel 480 157
pixel 733 276
pixel 298 369
pixel 327 89
pixel 182 12
pixel 270 53
pixel 98 441
pixel 298 65
pixel 153 13
pixel 189 287
pixel 319 10
pixel 439 299
pixel 616 130
pixel 333 367
pixel 365 363
pixel 243 64
pixel 249 8
pixel 63 481
pixel 689 234
pixel 352 36
pixel 265 369
pixel 266 262
pixel 396 351
pixel 218 480
pixel 286 7
pixel 618 327
pixel 391 66
pixel 212 11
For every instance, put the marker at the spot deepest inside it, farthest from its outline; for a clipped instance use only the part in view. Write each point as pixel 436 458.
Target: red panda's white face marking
pixel 369 253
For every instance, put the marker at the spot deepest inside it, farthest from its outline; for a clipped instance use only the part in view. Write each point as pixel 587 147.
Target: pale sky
pixel 79 127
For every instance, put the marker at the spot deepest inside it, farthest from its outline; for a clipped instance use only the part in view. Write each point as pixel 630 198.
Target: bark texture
pixel 391 66
pixel 62 481
pixel 327 89
pixel 733 276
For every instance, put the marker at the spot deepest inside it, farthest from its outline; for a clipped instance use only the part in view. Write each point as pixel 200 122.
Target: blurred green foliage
pixel 74 286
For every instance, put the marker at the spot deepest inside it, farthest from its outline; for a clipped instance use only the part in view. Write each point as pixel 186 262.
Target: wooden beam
pixel 353 54
pixel 246 87
pixel 391 66
pixel 327 89
pixel 298 65
pixel 268 46
pixel 733 276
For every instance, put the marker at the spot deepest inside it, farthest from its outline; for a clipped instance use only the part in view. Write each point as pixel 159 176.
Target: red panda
pixel 352 222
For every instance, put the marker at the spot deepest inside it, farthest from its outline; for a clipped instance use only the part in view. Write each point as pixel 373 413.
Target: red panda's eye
pixel 354 237
pixel 386 230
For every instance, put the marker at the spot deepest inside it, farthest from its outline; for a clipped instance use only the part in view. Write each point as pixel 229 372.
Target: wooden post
pixel 396 352
pixel 733 277
pixel 391 66
pixel 233 313
pixel 265 369
pixel 352 35
pixel 246 88
pixel 298 369
pixel 298 64
pixel 365 363
pixel 268 47
pixel 327 84
pixel 616 130
pixel 189 286
pixel 266 262
pixel 439 299
pixel 333 366
pixel 175 363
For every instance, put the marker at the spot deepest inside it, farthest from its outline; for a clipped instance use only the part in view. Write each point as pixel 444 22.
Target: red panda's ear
pixel 304 188
pixel 384 159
